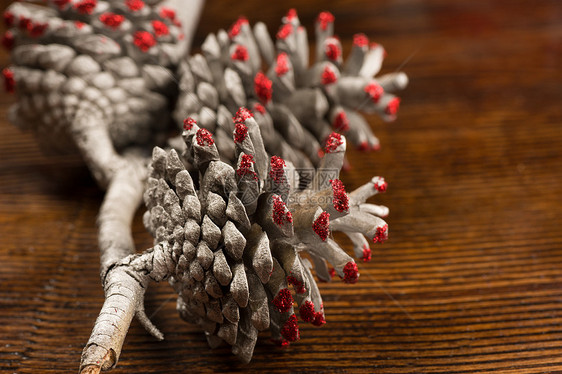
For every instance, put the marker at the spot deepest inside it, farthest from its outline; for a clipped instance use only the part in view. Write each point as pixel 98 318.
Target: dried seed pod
pixel 243 221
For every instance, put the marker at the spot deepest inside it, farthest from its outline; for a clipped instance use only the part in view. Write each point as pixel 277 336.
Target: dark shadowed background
pixel 471 277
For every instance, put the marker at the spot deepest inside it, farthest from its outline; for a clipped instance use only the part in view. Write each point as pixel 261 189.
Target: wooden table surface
pixel 471 277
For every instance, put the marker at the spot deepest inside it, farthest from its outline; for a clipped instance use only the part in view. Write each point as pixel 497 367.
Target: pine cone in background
pixel 93 74
pixel 230 244
pixel 295 106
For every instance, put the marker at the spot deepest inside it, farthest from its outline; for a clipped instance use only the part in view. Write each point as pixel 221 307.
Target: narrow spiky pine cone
pixel 296 106
pixel 87 71
pixel 230 243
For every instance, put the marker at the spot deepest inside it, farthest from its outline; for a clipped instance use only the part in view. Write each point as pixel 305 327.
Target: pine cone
pixel 90 67
pixel 230 243
pixel 295 106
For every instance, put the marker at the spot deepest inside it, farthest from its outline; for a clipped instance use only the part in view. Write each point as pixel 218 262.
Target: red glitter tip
pixel 144 40
pixel 341 122
pixel 259 108
pixel 319 319
pixel 85 6
pixel 360 40
pixel 374 90
pixel 237 27
pixel 8 40
pixel 25 24
pixel 242 115
pixel 240 53
pixel 366 253
pixel 364 146
pixel 134 5
pixel 37 30
pixel 291 14
pixel 321 225
pixel 244 168
pixel 280 212
pixel 306 311
pixel 381 185
pixel 277 171
pixel 392 106
pixel 298 285
pixel 160 28
pixel 240 132
pixel 332 272
pixel 328 76
pixel 281 342
pixel 9 81
pixel 79 24
pixel 282 66
pixel 61 4
pixel 263 87
pixel 283 301
pixel 332 50
pixel 333 141
pixel 188 123
pixel 341 200
pixel 9 18
pixel 168 13
pixel 350 272
pixel 290 330
pixel 204 137
pixel 381 235
pixel 112 20
pixel 324 19
pixel 285 31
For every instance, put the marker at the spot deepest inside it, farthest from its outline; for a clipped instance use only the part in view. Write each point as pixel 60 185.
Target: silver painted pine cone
pixel 235 206
pixel 230 244
pixel 92 75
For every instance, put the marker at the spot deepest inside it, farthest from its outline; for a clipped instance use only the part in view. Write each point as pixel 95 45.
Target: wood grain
pixel 471 278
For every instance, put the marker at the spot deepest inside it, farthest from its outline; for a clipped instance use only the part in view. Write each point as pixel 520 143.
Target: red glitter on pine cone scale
pixel 282 66
pixel 290 330
pixel 280 212
pixel 381 234
pixel 276 171
pixel 188 123
pixel 240 132
pixel 321 225
pixel 366 254
pixel 240 53
pixel 341 200
pixel 328 76
pixel 245 166
pixel 263 87
pixel 86 6
pixel 111 20
pixel 333 141
pixel 144 40
pixel 298 285
pixel 351 273
pixel 306 311
pixel 283 301
pixel 204 137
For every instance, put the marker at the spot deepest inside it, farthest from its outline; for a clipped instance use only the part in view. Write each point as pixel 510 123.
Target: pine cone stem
pixel 120 203
pixel 123 294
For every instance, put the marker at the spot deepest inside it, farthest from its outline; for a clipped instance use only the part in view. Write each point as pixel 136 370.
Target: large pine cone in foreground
pixel 229 239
